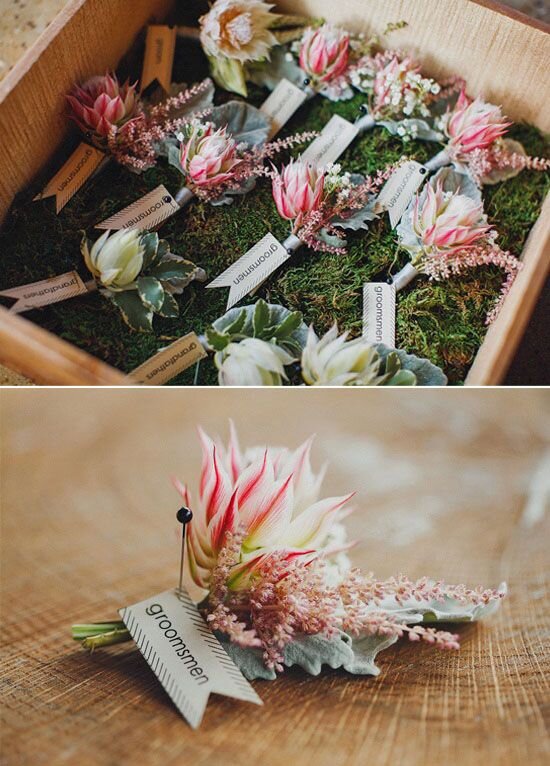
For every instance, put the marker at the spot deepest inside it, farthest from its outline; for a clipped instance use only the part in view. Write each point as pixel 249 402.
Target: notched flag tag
pixel 80 166
pixel 160 46
pixel 184 654
pixel 148 212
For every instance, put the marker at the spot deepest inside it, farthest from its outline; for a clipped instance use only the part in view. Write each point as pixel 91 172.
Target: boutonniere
pixel 269 345
pixel 116 121
pixel 224 156
pixel 138 273
pixel 266 560
pixel 236 34
pixel 446 231
pixel 475 143
pixel 321 201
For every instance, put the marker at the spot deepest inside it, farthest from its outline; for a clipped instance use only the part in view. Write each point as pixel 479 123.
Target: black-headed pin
pixel 184 516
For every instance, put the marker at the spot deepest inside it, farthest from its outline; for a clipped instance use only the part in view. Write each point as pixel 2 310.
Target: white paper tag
pixel 335 138
pixel 169 361
pixel 399 190
pixel 379 313
pixel 82 163
pixel 284 100
pixel 148 212
pixel 252 268
pixel 184 654
pixel 46 291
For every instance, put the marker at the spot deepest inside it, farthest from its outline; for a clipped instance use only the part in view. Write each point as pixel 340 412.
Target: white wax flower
pixel 252 362
pixel 334 361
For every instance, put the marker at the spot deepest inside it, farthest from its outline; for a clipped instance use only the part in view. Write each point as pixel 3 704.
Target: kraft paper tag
pixel 379 313
pixel 335 138
pixel 399 190
pixel 252 268
pixel 148 212
pixel 160 46
pixel 169 361
pixel 184 654
pixel 82 163
pixel 284 100
pixel 46 291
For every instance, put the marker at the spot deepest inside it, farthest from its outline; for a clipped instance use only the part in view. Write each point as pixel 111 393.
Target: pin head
pixel 364 108
pixel 184 515
pixel 306 81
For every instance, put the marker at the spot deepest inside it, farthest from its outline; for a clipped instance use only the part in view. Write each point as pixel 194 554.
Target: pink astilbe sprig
pixel 289 597
pixel 497 157
pixel 487 254
pixel 135 147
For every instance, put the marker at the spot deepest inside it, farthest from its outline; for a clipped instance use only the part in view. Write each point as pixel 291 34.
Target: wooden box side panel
pixel 500 56
pixel 86 38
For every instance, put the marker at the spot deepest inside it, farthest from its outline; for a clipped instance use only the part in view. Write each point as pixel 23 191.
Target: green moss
pixel 444 322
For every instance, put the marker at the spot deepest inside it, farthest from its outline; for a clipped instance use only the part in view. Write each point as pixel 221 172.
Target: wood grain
pixel 449 483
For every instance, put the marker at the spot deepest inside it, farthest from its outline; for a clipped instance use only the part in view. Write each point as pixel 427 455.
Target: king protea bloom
pixel 252 362
pixel 208 157
pixel 324 53
pixel 298 190
pixel 101 104
pixel 116 259
pixel 446 222
pixel 268 496
pixel 238 29
pixel 473 125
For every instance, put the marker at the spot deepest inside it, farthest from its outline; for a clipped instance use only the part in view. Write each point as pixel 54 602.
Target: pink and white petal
pixel 267 525
pixel 226 520
pixel 312 526
pixel 254 484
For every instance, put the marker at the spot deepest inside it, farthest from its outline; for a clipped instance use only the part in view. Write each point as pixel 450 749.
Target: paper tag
pixel 399 190
pixel 335 138
pixel 379 313
pixel 184 654
pixel 252 268
pixel 46 291
pixel 169 361
pixel 148 212
pixel 160 46
pixel 75 172
pixel 284 100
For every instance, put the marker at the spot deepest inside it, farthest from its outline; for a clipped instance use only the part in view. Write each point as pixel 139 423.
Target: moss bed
pixel 444 322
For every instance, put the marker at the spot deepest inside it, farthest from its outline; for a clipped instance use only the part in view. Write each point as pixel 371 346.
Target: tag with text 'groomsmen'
pixel 285 99
pixel 399 190
pixel 184 654
pixel 160 46
pixel 252 268
pixel 82 163
pixel 335 138
pixel 46 291
pixel 169 361
pixel 379 313
pixel 148 212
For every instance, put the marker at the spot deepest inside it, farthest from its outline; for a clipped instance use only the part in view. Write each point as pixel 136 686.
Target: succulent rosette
pixel 137 271
pixel 236 33
pixel 271 498
pixel 101 106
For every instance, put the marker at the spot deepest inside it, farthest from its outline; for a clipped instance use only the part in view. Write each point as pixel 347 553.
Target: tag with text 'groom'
pixel 184 654
pixel 252 268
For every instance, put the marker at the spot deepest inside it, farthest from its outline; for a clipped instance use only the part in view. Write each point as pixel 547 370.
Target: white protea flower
pixel 334 361
pixel 252 362
pixel 115 260
pixel 269 495
pixel 238 29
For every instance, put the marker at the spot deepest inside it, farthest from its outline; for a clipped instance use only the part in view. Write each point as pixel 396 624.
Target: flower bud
pixel 116 259
pixel 252 362
pixel 208 157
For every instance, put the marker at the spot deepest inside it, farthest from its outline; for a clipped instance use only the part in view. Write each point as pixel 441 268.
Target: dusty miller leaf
pixel 245 123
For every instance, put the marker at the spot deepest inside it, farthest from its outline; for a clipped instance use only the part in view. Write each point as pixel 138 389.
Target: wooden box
pixel 501 54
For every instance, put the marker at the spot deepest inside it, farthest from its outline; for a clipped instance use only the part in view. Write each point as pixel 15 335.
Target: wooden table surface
pixel 450 484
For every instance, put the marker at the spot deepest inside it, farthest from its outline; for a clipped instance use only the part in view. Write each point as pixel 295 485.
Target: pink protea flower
pixel 101 103
pixel 400 88
pixel 446 222
pixel 298 190
pixel 208 157
pixel 473 125
pixel 324 53
pixel 269 498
